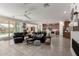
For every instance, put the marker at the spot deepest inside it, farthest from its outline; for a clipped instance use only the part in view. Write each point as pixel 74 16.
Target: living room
pixel 38 29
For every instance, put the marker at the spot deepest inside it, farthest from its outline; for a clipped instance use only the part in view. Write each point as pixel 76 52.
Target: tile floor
pixel 59 47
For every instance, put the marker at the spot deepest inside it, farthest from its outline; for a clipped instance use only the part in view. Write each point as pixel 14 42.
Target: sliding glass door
pixel 11 27
pixel 3 29
pixel 7 27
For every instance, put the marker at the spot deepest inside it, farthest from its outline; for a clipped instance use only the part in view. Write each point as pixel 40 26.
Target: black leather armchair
pixel 18 37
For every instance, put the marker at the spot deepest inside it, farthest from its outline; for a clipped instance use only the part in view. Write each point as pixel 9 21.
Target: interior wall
pixel 61 24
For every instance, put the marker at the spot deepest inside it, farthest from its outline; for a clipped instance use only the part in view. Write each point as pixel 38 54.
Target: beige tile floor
pixel 59 47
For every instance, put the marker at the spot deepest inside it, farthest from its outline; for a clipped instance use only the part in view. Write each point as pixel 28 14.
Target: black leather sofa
pixel 18 37
pixel 42 36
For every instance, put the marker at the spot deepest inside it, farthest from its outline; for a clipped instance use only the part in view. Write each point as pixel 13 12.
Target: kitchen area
pixel 74 25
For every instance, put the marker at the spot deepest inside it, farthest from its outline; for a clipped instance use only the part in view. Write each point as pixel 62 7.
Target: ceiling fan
pixel 28 12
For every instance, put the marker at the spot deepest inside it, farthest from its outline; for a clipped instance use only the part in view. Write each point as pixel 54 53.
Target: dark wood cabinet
pixel 67 35
pixel 66 32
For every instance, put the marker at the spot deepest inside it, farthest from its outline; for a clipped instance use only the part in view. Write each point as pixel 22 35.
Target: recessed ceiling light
pixel 65 12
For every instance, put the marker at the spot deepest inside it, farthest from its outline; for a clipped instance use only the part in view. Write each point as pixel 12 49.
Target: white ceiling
pixel 36 11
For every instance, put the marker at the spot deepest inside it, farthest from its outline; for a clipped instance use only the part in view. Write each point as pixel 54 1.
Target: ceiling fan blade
pixel 28 13
pixel 27 16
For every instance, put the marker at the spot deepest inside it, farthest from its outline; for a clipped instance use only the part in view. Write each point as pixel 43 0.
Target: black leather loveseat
pixel 18 37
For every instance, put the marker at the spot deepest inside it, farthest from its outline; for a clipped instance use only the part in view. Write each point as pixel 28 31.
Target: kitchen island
pixel 74 43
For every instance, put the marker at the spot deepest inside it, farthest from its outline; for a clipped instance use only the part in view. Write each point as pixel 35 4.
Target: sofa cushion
pixel 18 34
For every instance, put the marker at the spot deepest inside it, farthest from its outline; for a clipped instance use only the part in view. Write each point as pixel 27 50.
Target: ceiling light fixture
pixel 46 5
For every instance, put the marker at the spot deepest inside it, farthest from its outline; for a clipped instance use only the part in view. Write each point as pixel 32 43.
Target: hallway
pixel 59 47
